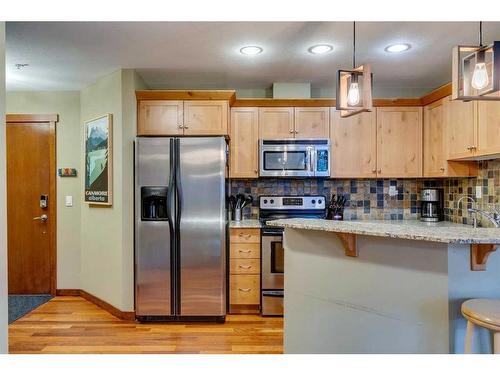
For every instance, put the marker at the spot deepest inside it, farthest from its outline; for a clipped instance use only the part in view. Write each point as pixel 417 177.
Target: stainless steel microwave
pixel 294 158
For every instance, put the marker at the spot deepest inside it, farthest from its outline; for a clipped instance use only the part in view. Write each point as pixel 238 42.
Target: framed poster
pixel 99 161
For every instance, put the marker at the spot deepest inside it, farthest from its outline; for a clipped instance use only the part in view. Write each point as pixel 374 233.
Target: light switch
pixel 479 191
pixel 68 201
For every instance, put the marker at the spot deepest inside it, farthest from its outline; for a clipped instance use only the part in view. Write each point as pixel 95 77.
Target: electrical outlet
pixel 479 191
pixel 393 191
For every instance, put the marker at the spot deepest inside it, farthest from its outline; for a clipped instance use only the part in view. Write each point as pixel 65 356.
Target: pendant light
pixel 354 86
pixel 476 71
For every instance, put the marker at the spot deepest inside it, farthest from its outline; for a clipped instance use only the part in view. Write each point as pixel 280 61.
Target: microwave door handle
pixel 311 161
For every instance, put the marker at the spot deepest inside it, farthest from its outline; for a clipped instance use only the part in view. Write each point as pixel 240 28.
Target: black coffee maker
pixel 432 208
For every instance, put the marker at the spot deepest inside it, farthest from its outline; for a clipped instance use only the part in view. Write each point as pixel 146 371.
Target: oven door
pixel 273 260
pixel 286 160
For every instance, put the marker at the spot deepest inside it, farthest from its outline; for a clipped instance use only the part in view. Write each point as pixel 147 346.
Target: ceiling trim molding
pixel 229 95
pixel 31 118
pixel 437 94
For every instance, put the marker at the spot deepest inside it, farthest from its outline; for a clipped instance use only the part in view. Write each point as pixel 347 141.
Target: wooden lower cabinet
pixel 244 270
pixel 245 290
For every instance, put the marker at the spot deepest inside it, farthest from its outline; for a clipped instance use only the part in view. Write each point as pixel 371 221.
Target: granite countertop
pixel 444 231
pixel 246 223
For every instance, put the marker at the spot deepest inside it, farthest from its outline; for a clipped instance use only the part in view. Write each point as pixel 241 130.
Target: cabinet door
pixel 312 122
pixel 354 144
pixel 399 142
pixel 488 129
pixel 276 122
pixel 160 117
pixel 244 160
pixel 462 124
pixel 434 121
pixel 205 117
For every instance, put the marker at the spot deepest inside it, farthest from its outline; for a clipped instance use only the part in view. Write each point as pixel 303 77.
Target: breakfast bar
pixel 380 286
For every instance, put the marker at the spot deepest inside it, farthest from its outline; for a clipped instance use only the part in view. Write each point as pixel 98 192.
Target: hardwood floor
pixel 74 325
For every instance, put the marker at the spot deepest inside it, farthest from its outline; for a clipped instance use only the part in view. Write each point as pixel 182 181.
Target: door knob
pixel 43 218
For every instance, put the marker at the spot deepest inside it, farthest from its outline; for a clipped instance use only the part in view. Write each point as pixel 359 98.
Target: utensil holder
pixel 237 214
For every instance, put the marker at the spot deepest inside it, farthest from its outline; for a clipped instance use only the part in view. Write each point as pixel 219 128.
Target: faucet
pixel 494 216
pixel 473 209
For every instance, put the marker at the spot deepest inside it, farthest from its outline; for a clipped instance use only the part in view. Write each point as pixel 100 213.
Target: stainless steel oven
pixel 272 250
pixel 294 158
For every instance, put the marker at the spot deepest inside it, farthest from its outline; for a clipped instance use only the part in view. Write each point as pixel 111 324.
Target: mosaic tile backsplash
pixel 369 198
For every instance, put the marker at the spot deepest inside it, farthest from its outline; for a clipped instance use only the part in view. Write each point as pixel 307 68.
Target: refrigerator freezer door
pixel 202 226
pixel 152 250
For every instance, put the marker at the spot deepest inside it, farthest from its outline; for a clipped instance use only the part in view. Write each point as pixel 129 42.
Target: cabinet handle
pixel 185 126
pixel 255 171
pixel 180 126
pixel 442 169
pixel 244 251
pixel 374 171
pixel 296 132
pixel 291 131
pixel 380 171
pixel 247 236
pixel 245 289
pixel 245 267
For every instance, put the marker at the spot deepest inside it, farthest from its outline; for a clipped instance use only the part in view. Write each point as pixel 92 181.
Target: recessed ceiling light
pixel 251 50
pixel 320 49
pixel 396 48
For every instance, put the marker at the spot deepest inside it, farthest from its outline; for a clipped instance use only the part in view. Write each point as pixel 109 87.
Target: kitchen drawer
pixel 245 289
pixel 243 235
pixel 244 266
pixel 245 250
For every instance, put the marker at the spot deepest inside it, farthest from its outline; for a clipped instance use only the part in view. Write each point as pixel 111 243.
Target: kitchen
pixel 230 206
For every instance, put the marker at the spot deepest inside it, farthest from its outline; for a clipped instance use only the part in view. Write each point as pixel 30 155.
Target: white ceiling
pixel 69 55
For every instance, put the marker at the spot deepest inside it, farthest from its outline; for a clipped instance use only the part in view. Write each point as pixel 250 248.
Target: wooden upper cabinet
pixel 436 143
pixel 399 142
pixel 354 145
pixel 461 120
pixel 244 159
pixel 276 122
pixel 205 117
pixel 312 122
pixel 488 129
pixel 160 117
pixel 434 150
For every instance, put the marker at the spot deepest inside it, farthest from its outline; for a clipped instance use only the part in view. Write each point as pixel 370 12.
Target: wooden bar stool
pixel 484 313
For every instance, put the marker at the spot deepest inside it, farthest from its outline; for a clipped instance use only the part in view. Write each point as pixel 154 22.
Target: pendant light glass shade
pixel 476 72
pixel 354 91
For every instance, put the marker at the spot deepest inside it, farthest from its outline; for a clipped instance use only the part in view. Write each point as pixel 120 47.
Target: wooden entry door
pixel 31 174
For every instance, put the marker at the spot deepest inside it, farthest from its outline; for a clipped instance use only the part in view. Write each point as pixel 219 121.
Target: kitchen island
pixel 384 286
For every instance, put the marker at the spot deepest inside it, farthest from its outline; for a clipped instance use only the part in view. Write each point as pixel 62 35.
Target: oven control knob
pixel 313 201
pixel 272 201
pixel 265 201
pixel 319 201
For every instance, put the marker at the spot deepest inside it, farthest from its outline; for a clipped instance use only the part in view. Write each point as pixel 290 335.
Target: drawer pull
pixel 247 236
pixel 244 289
pixel 244 267
pixel 245 251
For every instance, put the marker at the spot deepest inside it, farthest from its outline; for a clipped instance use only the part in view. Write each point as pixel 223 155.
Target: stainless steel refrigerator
pixel 180 228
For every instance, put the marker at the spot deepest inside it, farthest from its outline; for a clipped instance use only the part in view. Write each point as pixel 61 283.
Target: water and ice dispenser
pixel 154 203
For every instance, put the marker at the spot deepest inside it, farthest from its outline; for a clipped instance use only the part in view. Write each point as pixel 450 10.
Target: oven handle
pixel 310 165
pixel 271 233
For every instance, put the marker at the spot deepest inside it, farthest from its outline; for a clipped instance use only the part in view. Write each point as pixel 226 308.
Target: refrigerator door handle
pixel 178 186
pixel 170 191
